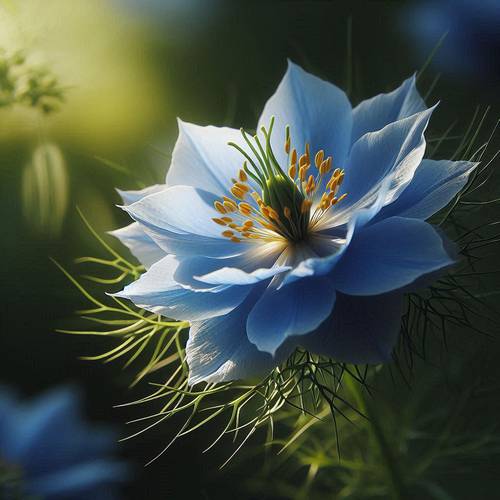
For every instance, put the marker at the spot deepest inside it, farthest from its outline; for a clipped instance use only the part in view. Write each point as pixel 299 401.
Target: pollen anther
pixel 220 207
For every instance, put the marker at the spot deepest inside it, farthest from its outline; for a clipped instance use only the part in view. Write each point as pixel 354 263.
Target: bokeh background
pixel 129 68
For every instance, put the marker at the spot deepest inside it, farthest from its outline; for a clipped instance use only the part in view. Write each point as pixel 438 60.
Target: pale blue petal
pixel 235 276
pixel 203 159
pixel 86 478
pixel 360 329
pixel 245 269
pixel 188 245
pixel 142 246
pixel 389 255
pixel 190 267
pixel 377 112
pixel 130 197
pixel 157 291
pixel 394 151
pixel 295 309
pixel 31 422
pixel 320 266
pixel 181 209
pixel 218 349
pixel 179 219
pixel 433 186
pixel 317 111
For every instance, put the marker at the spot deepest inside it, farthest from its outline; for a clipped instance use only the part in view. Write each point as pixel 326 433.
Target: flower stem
pixel 379 438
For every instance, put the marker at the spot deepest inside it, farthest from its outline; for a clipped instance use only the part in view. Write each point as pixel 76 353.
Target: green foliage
pixel 27 85
pixel 400 450
pixel 45 190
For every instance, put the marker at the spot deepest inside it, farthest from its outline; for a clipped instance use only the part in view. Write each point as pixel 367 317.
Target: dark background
pixel 217 63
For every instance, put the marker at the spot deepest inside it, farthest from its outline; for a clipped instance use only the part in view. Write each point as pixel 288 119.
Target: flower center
pixel 265 203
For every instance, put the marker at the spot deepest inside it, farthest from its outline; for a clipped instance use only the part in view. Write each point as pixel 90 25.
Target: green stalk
pixel 377 433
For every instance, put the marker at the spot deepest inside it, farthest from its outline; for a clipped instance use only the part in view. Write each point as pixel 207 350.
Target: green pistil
pixel 278 190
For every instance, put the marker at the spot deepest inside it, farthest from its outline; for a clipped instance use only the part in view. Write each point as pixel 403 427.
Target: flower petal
pixel 218 349
pixel 360 329
pixel 317 112
pixel 142 246
pixel 377 112
pixel 320 266
pixel 179 219
pixel 433 186
pixel 157 291
pixel 130 197
pixel 295 309
pixel 32 423
pixel 235 276
pixel 389 255
pixel 83 480
pixel 203 159
pixel 395 152
pixel 181 209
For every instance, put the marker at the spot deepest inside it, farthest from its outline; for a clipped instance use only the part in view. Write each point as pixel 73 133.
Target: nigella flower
pixel 48 452
pixel 472 33
pixel 306 234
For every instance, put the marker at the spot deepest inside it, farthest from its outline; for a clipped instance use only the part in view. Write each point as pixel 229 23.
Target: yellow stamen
pixel 302 174
pixel 219 221
pixel 303 161
pixel 255 219
pixel 230 206
pixel 272 227
pixel 325 166
pixel 245 208
pixel 238 193
pixel 318 159
pixel 311 185
pixel 256 197
pixel 305 206
pixel 242 186
pixel 242 176
pixel 219 207
pixel 273 214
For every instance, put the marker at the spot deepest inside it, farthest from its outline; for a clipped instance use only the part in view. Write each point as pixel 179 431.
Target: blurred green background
pixel 129 69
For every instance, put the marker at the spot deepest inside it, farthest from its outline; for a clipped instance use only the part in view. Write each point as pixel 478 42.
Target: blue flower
pixel 47 452
pixel 308 233
pixel 472 31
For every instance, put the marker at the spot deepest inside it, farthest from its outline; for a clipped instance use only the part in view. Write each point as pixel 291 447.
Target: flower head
pixel 308 232
pixel 46 451
pixel 470 30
